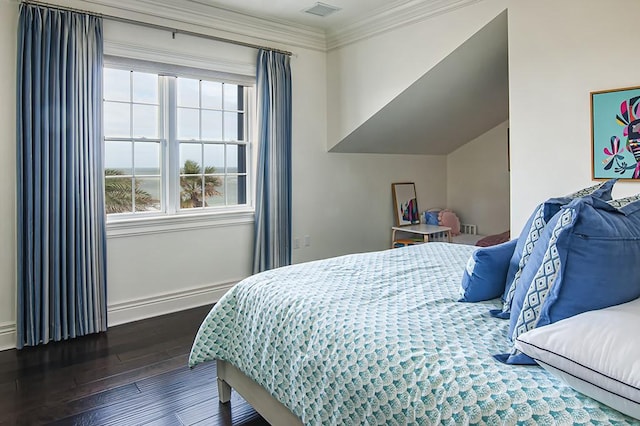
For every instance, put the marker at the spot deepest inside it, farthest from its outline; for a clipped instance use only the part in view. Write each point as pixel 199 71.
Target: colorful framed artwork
pixel 405 203
pixel 615 134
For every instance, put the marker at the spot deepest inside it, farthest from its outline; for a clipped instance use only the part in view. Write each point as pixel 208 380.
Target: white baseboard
pixel 7 335
pixel 134 310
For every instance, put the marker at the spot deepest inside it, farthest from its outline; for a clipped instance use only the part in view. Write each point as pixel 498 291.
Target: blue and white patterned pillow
pixel 531 233
pixel 588 257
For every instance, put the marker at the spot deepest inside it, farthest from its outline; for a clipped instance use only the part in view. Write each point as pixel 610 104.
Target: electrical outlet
pixel 307 241
pixel 296 243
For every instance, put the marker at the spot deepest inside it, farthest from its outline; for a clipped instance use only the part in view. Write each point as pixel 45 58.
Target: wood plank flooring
pixel 134 374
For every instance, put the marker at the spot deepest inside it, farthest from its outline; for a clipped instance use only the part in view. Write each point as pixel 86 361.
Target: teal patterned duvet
pixel 378 338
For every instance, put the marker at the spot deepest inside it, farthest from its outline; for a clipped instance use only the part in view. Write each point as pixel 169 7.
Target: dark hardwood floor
pixel 134 374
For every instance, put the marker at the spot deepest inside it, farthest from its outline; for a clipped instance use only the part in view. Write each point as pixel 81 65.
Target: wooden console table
pixel 424 230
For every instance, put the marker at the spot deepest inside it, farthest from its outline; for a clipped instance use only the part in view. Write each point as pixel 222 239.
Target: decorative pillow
pixel 575 349
pixel 431 217
pixel 587 258
pixel 484 276
pixel 531 233
pixel 449 219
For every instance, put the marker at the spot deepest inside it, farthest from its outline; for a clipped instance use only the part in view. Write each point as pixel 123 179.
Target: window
pixel 173 144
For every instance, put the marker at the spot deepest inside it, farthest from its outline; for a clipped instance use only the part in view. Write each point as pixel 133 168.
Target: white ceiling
pixel 291 11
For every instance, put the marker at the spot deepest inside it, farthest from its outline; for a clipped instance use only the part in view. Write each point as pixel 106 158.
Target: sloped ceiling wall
pixel 460 98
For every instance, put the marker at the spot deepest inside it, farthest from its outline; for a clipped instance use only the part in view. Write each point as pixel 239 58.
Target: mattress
pixel 378 338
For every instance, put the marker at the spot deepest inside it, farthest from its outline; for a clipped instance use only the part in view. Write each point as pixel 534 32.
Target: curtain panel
pixel 61 290
pixel 272 245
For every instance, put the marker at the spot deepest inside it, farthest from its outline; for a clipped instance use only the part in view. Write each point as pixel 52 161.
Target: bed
pixel 378 338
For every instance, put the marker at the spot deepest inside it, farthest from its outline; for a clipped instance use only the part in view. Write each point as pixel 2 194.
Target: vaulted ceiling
pixel 459 99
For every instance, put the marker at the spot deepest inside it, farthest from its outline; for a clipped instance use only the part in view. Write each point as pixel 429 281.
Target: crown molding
pixel 391 17
pixel 216 21
pixel 212 20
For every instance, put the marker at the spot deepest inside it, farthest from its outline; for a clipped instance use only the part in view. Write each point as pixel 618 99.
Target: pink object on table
pixel 449 219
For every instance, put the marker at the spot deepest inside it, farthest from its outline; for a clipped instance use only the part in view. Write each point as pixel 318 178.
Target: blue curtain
pixel 272 247
pixel 61 231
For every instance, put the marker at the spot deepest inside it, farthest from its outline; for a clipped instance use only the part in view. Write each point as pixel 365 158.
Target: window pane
pixel 190 158
pixel 145 88
pixel 211 94
pixel 145 121
pixel 230 96
pixel 117 120
pixel 188 124
pixel 214 158
pixel 117 193
pixel 147 158
pixel 231 126
pixel 147 194
pixel 214 190
pixel 212 125
pixel 117 158
pixel 232 190
pixel 188 92
pixel 232 158
pixel 191 192
pixel 117 85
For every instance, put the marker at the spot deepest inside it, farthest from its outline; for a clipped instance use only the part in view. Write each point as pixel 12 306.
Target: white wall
pixel 366 75
pixel 342 201
pixel 169 271
pixel 478 181
pixel 8 28
pixel 559 52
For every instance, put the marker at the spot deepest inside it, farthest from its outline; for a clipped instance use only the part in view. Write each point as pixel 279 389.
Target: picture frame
pixel 615 134
pixel 405 204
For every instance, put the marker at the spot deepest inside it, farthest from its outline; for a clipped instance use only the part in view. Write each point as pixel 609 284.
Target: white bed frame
pixel 266 405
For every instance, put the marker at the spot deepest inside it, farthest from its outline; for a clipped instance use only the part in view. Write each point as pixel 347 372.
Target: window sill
pixel 130 227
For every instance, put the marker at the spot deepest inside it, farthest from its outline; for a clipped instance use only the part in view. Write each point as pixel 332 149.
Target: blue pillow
pixel 587 258
pixel 484 276
pixel 531 233
pixel 431 217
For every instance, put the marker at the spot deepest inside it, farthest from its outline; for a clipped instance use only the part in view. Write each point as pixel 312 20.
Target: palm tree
pixel 117 194
pixel 191 194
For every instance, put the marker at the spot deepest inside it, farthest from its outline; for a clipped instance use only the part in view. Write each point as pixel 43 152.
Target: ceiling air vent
pixel 321 9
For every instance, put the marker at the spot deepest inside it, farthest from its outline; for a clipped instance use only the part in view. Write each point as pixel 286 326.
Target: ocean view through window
pixel 173 144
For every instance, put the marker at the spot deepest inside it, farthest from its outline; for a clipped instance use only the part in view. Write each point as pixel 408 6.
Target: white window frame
pixel 174 218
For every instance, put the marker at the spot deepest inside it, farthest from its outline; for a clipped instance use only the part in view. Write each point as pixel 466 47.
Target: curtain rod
pixel 173 31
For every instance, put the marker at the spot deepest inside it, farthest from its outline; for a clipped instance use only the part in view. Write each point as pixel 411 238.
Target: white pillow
pixel 596 353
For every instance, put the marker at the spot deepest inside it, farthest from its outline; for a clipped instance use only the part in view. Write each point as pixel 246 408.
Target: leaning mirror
pixel 405 203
